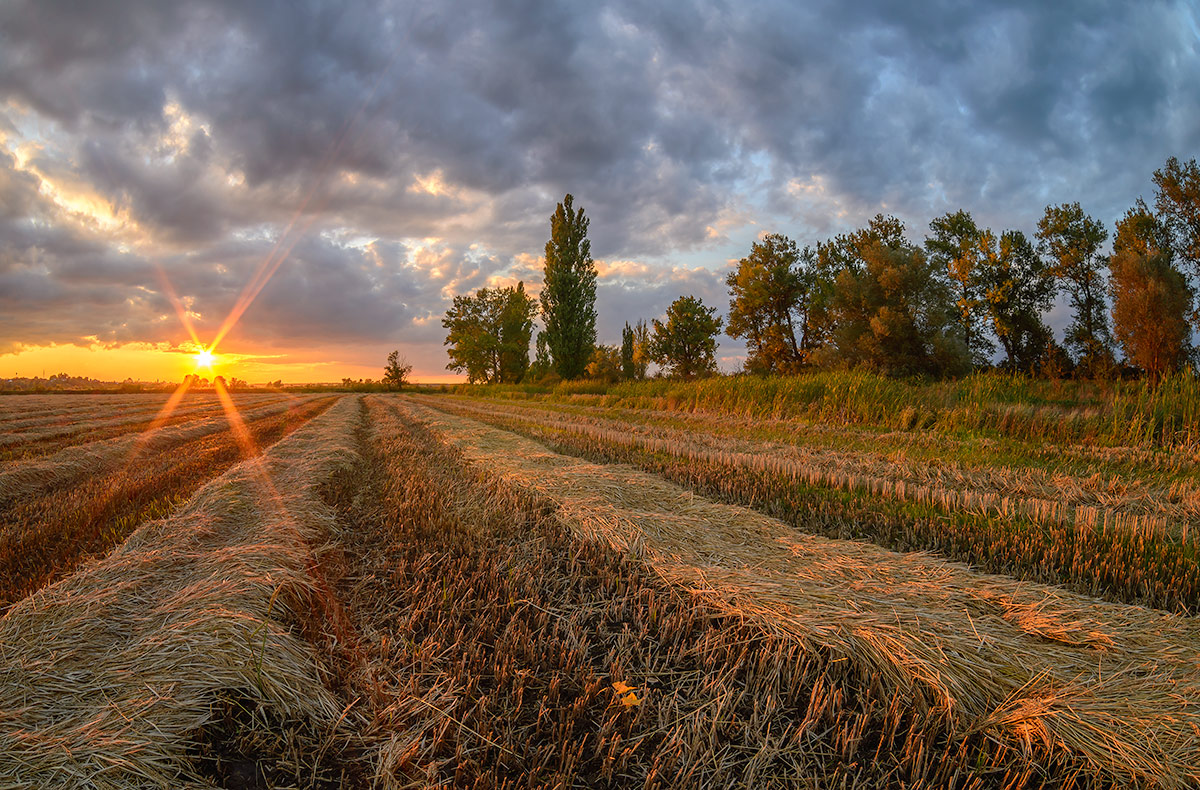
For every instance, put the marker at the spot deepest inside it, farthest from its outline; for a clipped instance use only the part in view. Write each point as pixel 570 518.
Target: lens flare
pixel 205 358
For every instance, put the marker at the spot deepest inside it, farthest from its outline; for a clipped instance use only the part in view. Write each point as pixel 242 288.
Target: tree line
pixel 966 298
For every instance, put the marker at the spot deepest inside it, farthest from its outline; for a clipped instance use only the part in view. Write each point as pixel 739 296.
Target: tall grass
pixel 1106 413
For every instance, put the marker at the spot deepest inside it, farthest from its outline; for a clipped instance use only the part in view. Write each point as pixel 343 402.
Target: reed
pixel 1110 413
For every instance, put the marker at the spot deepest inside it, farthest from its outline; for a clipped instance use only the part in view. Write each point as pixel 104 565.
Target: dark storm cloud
pixel 212 127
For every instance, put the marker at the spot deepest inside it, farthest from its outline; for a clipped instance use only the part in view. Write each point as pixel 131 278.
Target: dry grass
pixel 125 674
pixel 1115 686
pixel 1043 497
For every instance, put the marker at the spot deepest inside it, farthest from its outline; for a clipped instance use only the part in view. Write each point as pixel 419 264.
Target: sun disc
pixel 205 358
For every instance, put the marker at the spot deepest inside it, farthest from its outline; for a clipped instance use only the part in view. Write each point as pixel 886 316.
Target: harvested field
pixel 978 515
pixel 397 594
pixel 1035 664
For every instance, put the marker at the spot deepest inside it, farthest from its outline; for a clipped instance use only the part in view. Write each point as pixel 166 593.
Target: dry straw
pixel 25 478
pixel 1115 685
pixel 108 677
pixel 1026 493
pixel 105 418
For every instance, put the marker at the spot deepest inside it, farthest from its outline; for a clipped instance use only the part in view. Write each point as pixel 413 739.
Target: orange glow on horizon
pixel 163 362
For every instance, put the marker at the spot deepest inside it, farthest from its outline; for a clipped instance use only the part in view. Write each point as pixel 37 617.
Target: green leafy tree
pixel 891 309
pixel 489 334
pixel 844 252
pixel 1177 204
pixel 395 374
pixel 957 247
pixel 1017 289
pixel 1151 298
pixel 686 345
pixel 1070 241
pixel 569 292
pixel 769 304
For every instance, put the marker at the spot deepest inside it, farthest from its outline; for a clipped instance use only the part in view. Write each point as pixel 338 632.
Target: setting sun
pixel 205 358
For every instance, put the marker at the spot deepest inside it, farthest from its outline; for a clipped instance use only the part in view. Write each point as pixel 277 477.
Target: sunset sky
pixel 320 179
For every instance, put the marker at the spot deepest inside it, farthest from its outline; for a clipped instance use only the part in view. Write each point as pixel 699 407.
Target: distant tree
pixel 1177 203
pixel 542 365
pixel 769 304
pixel 686 344
pixel 1070 242
pixel 957 247
pixel 489 334
pixel 628 371
pixel 395 374
pixel 641 349
pixel 1017 289
pixel 1151 298
pixel 605 364
pixel 891 309
pixel 569 291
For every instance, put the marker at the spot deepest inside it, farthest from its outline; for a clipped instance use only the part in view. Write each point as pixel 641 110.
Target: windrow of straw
pixel 503 650
pixel 121 675
pixel 1032 494
pixel 104 408
pixel 46 536
pixel 18 405
pixel 1115 685
pixel 108 419
pixel 24 478
pixel 1140 566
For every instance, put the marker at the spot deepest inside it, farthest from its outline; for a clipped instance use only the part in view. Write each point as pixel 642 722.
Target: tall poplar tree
pixel 569 293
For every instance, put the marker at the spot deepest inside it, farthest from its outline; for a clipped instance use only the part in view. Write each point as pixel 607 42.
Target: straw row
pixel 73 463
pixel 1127 566
pixel 504 650
pixel 1118 686
pixel 120 675
pixel 102 407
pixel 1025 493
pixel 112 424
pixel 45 537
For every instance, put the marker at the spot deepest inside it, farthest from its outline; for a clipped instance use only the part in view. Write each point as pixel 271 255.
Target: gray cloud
pixel 405 153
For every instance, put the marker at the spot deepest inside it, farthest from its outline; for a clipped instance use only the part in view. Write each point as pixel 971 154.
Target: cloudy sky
pixel 320 179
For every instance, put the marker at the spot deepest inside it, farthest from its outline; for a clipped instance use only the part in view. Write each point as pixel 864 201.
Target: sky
pixel 312 183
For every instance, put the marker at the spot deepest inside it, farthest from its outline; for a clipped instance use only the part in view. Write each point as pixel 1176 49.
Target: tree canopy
pixel 1070 241
pixel 686 344
pixel 891 310
pixel 769 304
pixel 1151 298
pixel 395 374
pixel 489 334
